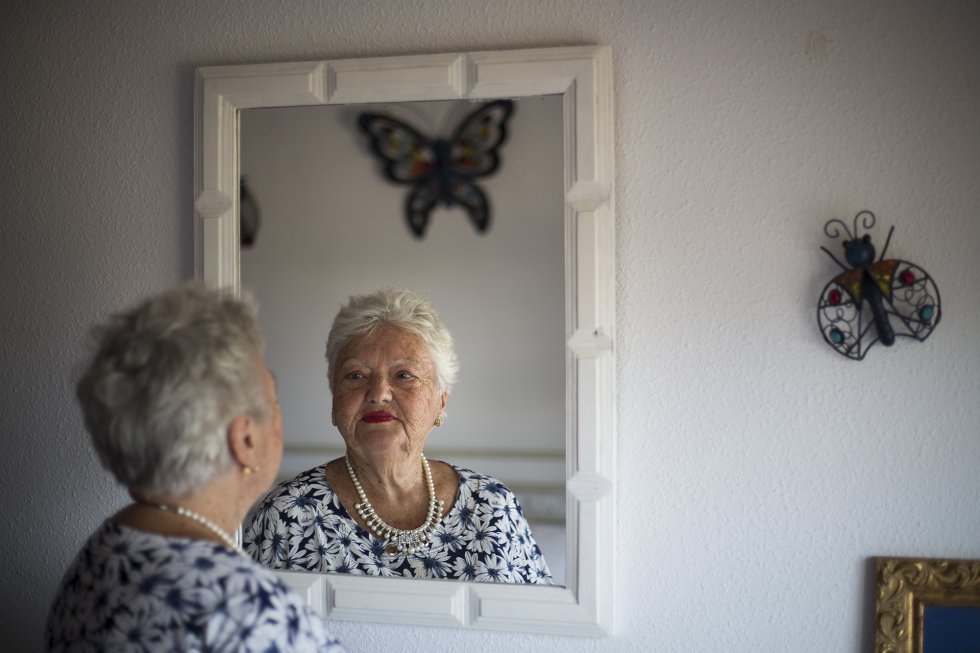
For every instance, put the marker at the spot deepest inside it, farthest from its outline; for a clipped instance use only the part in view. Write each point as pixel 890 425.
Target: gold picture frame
pixel 906 587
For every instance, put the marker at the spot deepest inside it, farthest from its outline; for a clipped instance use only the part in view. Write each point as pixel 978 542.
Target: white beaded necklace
pixel 203 521
pixel 399 540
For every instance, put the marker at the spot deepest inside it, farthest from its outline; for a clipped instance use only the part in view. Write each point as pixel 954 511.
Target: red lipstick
pixel 377 417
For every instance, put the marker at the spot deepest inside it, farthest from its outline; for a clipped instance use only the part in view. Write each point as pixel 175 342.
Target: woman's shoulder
pixel 307 500
pixel 465 474
pixel 197 577
pixel 478 481
pixel 112 540
pixel 312 482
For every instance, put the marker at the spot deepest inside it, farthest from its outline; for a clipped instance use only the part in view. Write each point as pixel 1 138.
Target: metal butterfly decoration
pixel 902 298
pixel 441 170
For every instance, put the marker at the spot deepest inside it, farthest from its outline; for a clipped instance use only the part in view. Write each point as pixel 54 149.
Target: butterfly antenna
pixel 833 257
pixel 887 241
pixel 832 230
pixel 866 223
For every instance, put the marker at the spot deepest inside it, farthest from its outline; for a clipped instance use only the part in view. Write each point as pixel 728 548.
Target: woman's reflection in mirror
pixel 384 509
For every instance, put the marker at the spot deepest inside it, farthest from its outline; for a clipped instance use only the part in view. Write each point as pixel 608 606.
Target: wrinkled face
pixel 385 397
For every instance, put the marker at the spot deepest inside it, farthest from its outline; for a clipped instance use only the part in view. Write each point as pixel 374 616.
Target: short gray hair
pixel 404 309
pixel 166 380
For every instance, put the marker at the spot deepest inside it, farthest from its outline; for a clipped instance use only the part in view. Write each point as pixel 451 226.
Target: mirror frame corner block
pixel 583 76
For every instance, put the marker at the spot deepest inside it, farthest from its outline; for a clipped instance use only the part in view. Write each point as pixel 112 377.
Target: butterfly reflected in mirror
pixel 249 217
pixel 441 171
pixel 901 298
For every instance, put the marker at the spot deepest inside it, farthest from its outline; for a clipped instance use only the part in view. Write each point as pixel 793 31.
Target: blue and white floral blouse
pixel 134 591
pixel 301 525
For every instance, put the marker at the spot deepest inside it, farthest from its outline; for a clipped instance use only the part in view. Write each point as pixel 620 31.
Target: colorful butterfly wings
pixel 441 170
pixel 910 298
pixel 473 149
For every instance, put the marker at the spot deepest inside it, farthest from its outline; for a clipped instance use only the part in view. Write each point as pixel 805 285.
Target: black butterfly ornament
pixel 441 170
pixel 902 298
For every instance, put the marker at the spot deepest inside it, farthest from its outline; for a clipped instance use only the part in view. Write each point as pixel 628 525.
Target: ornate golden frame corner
pixel 904 586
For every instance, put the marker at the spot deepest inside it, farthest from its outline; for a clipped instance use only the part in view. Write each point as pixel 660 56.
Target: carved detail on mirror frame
pixel 583 76
pixel 904 587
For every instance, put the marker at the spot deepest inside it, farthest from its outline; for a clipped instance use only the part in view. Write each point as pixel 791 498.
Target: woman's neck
pixel 390 476
pixel 212 513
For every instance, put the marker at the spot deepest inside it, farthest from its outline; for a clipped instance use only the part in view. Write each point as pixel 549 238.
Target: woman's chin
pixel 382 441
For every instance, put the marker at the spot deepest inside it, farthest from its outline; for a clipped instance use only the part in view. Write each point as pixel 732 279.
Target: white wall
pixel 758 470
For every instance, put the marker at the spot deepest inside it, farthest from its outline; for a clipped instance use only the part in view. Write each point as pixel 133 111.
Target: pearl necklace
pixel 399 540
pixel 203 521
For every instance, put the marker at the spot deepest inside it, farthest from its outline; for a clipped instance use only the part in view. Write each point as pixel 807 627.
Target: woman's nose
pixel 379 390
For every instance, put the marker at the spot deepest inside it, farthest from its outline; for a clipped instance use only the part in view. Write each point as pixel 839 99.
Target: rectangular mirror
pixel 579 82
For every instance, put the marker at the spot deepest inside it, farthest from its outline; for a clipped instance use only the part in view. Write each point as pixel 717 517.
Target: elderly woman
pixel 183 412
pixel 384 509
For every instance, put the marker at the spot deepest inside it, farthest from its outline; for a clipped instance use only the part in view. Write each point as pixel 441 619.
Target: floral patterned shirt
pixel 301 525
pixel 134 591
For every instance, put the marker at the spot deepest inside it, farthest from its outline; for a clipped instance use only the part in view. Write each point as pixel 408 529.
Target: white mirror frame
pixel 583 75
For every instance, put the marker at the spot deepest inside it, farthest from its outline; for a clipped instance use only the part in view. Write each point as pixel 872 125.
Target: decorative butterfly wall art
pixel 901 297
pixel 440 170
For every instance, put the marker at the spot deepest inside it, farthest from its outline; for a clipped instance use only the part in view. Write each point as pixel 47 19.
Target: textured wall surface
pixel 758 470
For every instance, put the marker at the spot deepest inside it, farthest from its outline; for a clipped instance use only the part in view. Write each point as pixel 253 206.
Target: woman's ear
pixel 242 441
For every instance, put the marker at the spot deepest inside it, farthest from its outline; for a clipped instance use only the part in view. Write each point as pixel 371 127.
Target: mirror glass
pixel 330 225
pixel 572 389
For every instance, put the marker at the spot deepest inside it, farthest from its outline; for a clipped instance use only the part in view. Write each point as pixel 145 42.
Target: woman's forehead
pixel 389 342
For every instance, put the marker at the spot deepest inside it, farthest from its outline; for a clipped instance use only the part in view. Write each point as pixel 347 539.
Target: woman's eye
pixel 355 376
pixel 405 376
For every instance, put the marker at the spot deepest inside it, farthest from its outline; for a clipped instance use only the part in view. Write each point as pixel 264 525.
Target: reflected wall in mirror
pixel 581 77
pixel 332 226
